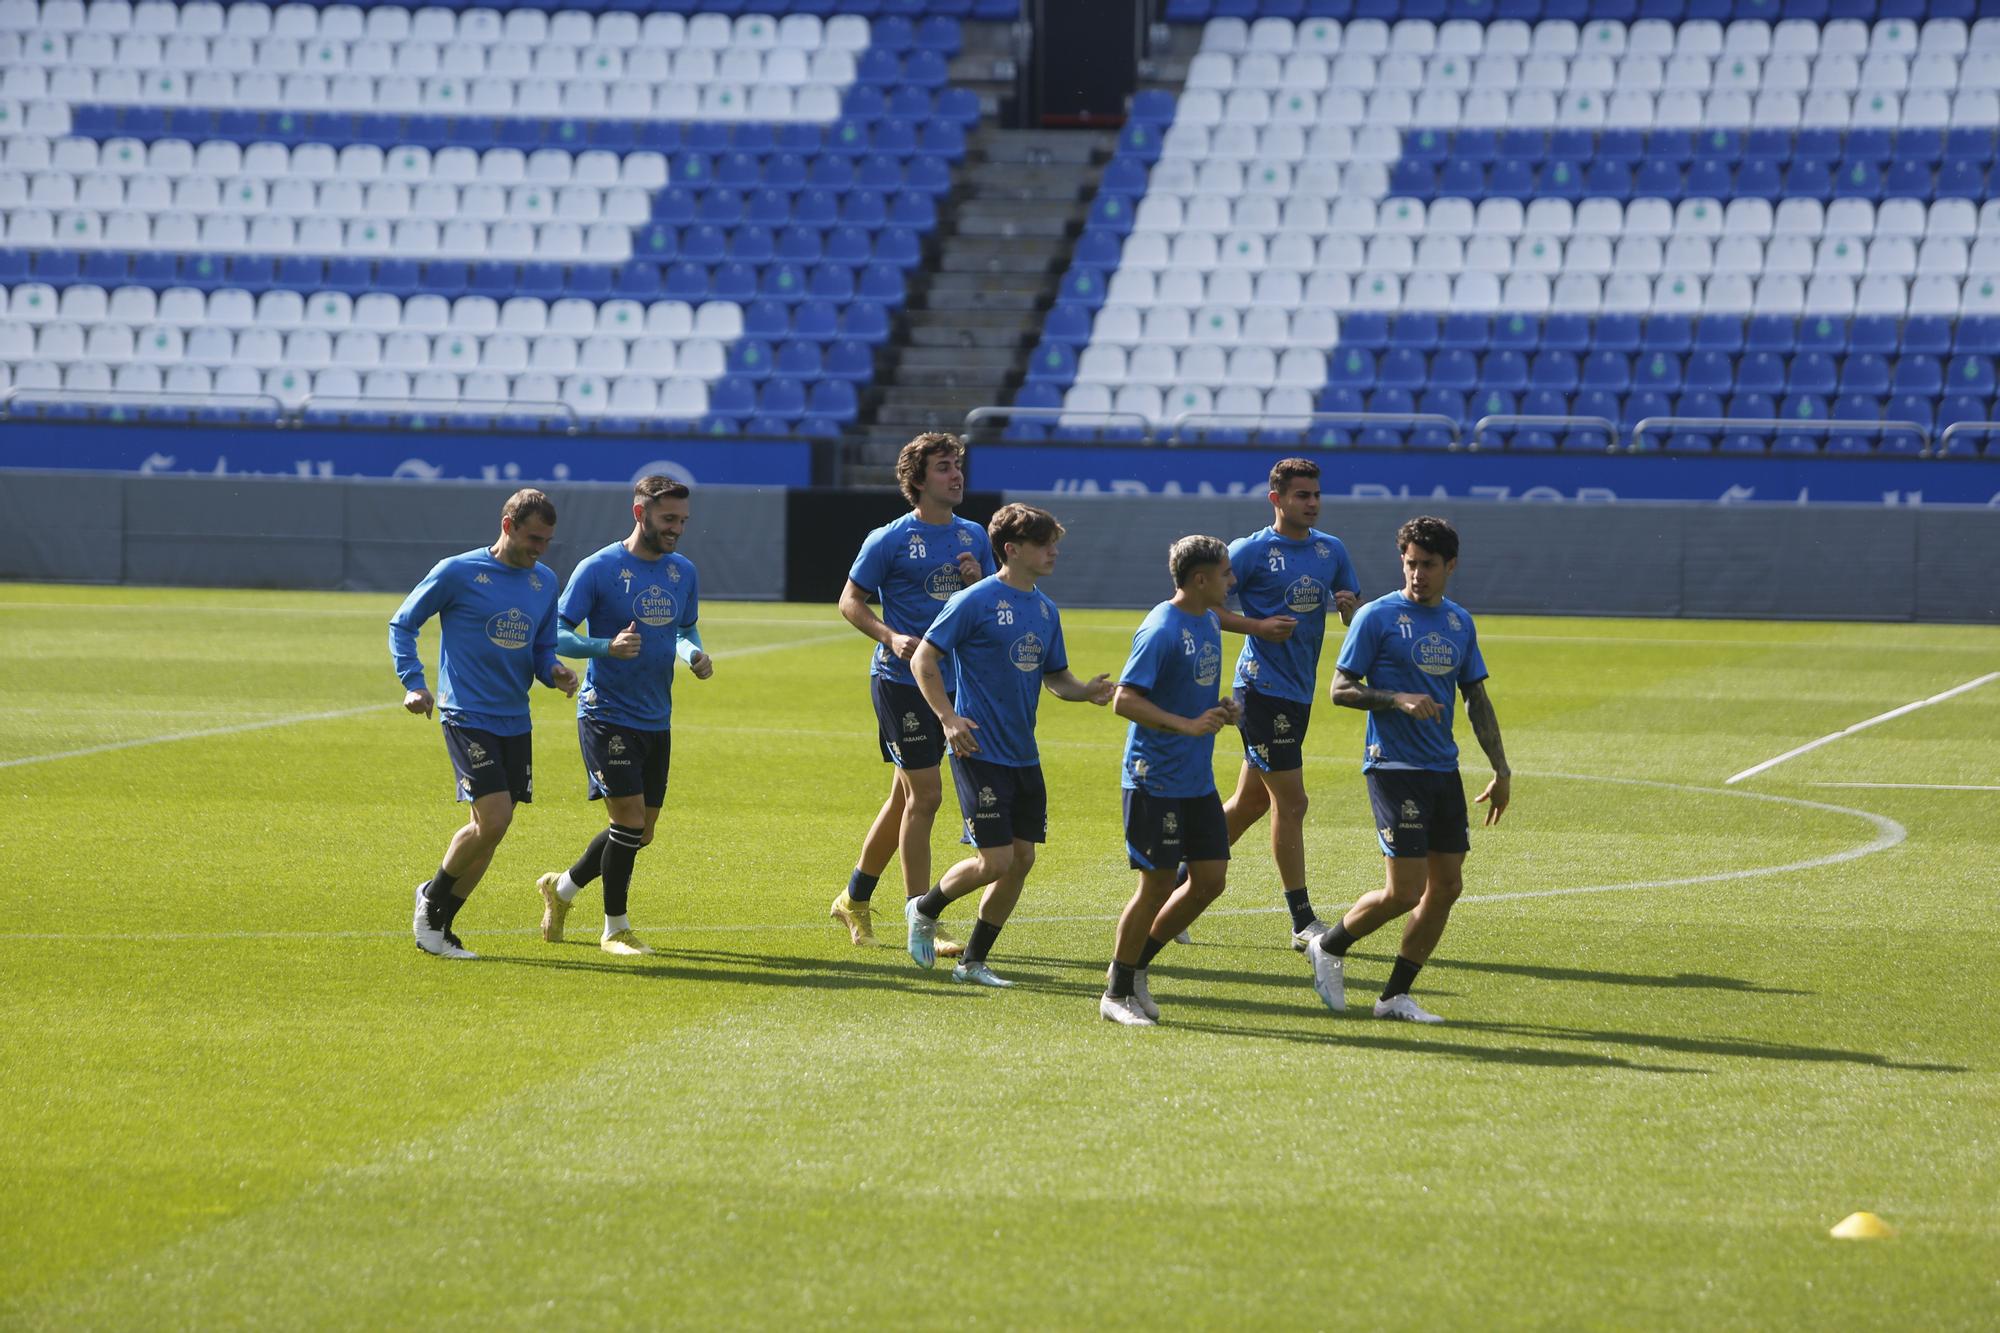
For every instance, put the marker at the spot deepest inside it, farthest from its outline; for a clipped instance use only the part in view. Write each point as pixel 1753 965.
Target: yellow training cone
pixel 1863 1226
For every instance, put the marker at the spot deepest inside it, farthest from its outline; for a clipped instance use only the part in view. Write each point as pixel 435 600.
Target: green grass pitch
pixel 235 1095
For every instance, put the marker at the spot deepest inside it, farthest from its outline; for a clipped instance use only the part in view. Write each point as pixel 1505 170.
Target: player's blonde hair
pixel 1190 554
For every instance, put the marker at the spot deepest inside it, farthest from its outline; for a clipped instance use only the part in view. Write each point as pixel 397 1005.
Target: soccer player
pixel 1006 638
pixel 1170 691
pixel 1404 655
pixel 497 628
pixel 639 597
pixel 1287 575
pixel 913 566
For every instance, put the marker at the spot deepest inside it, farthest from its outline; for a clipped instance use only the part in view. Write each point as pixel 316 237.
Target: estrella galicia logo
pixel 510 629
pixel 654 606
pixel 1207 664
pixel 1026 652
pixel 1435 655
pixel 943 582
pixel 1304 595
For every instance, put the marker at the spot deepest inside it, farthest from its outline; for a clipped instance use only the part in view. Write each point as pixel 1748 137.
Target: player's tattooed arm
pixel 1486 726
pixel 1349 692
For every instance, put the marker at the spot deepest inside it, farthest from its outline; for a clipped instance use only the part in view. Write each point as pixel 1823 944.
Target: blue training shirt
pixel 1004 641
pixel 1277 576
pixel 497 627
pixel 1177 660
pixel 911 567
pixel 1397 644
pixel 611 589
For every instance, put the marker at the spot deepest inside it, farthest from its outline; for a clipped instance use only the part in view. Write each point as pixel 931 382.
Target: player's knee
pixel 1406 892
pixel 925 801
pixel 1206 881
pixel 1444 889
pixel 1023 857
pixel 995 862
pixel 1290 806
pixel 490 824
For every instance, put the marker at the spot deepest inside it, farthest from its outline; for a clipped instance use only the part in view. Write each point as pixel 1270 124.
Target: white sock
pixel 567 888
pixel 614 924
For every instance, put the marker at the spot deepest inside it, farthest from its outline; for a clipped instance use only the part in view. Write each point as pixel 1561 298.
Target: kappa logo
pixel 617 745
pixel 1412 812
pixel 895 752
pixel 987 800
pixel 1138 768
pixel 910 722
pixel 481 578
pixel 625 574
pixel 1375 753
pixel 465 785
pixel 1170 823
pixel 1388 833
pixel 1248 666
pixel 598 773
pixel 1403 619
pixel 1281 724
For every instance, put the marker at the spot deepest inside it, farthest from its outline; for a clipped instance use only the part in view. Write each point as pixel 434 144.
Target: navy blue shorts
pixel 486 763
pixel 1274 730
pixel 1001 804
pixel 910 733
pixel 1418 811
pixel 625 761
pixel 1163 831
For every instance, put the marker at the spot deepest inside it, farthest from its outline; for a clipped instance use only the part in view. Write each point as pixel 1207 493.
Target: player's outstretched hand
pixel 1498 792
pixel 904 645
pixel 1276 629
pixel 969 571
pixel 626 645
pixel 564 679
pixel 419 702
pixel 1099 689
pixel 1420 706
pixel 958 734
pixel 701 664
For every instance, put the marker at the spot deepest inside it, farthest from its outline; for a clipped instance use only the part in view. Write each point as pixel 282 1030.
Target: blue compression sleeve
pixel 688 642
pixel 571 644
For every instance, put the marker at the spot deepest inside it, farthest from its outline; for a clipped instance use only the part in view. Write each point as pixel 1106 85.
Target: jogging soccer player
pixel 1006 637
pixel 497 630
pixel 640 598
pixel 1169 690
pixel 913 566
pixel 1404 655
pixel 1287 575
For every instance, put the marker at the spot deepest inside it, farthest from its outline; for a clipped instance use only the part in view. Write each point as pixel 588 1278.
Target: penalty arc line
pixel 1888 834
pixel 1755 769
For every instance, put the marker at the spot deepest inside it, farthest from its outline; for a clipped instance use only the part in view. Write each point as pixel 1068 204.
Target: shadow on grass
pixel 670 964
pixel 1733 1047
pixel 1349 1034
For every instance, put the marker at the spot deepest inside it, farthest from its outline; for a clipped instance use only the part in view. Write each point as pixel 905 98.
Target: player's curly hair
pixel 529 503
pixel 915 459
pixel 1022 523
pixel 1289 470
pixel 1433 534
pixel 1190 554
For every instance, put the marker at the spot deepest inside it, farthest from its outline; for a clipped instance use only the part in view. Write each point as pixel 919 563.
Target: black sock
pixel 440 903
pixel 1299 903
pixel 620 851
pixel 933 903
pixel 1180 875
pixel 1121 980
pixel 1401 977
pixel 1337 939
pixel 984 932
pixel 591 864
pixel 1151 951
pixel 861 885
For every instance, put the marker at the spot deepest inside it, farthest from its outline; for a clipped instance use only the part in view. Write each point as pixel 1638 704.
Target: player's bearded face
pixel 661 527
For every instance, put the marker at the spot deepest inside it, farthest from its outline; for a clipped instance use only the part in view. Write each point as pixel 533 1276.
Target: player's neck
pixel 1296 532
pixel 639 550
pixel 1433 602
pixel 1020 580
pixel 1187 605
pixel 934 512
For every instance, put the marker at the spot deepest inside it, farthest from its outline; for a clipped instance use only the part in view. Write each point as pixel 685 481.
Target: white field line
pixel 1888 834
pixel 1755 769
pixel 233 730
pixel 1908 786
pixel 292 719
